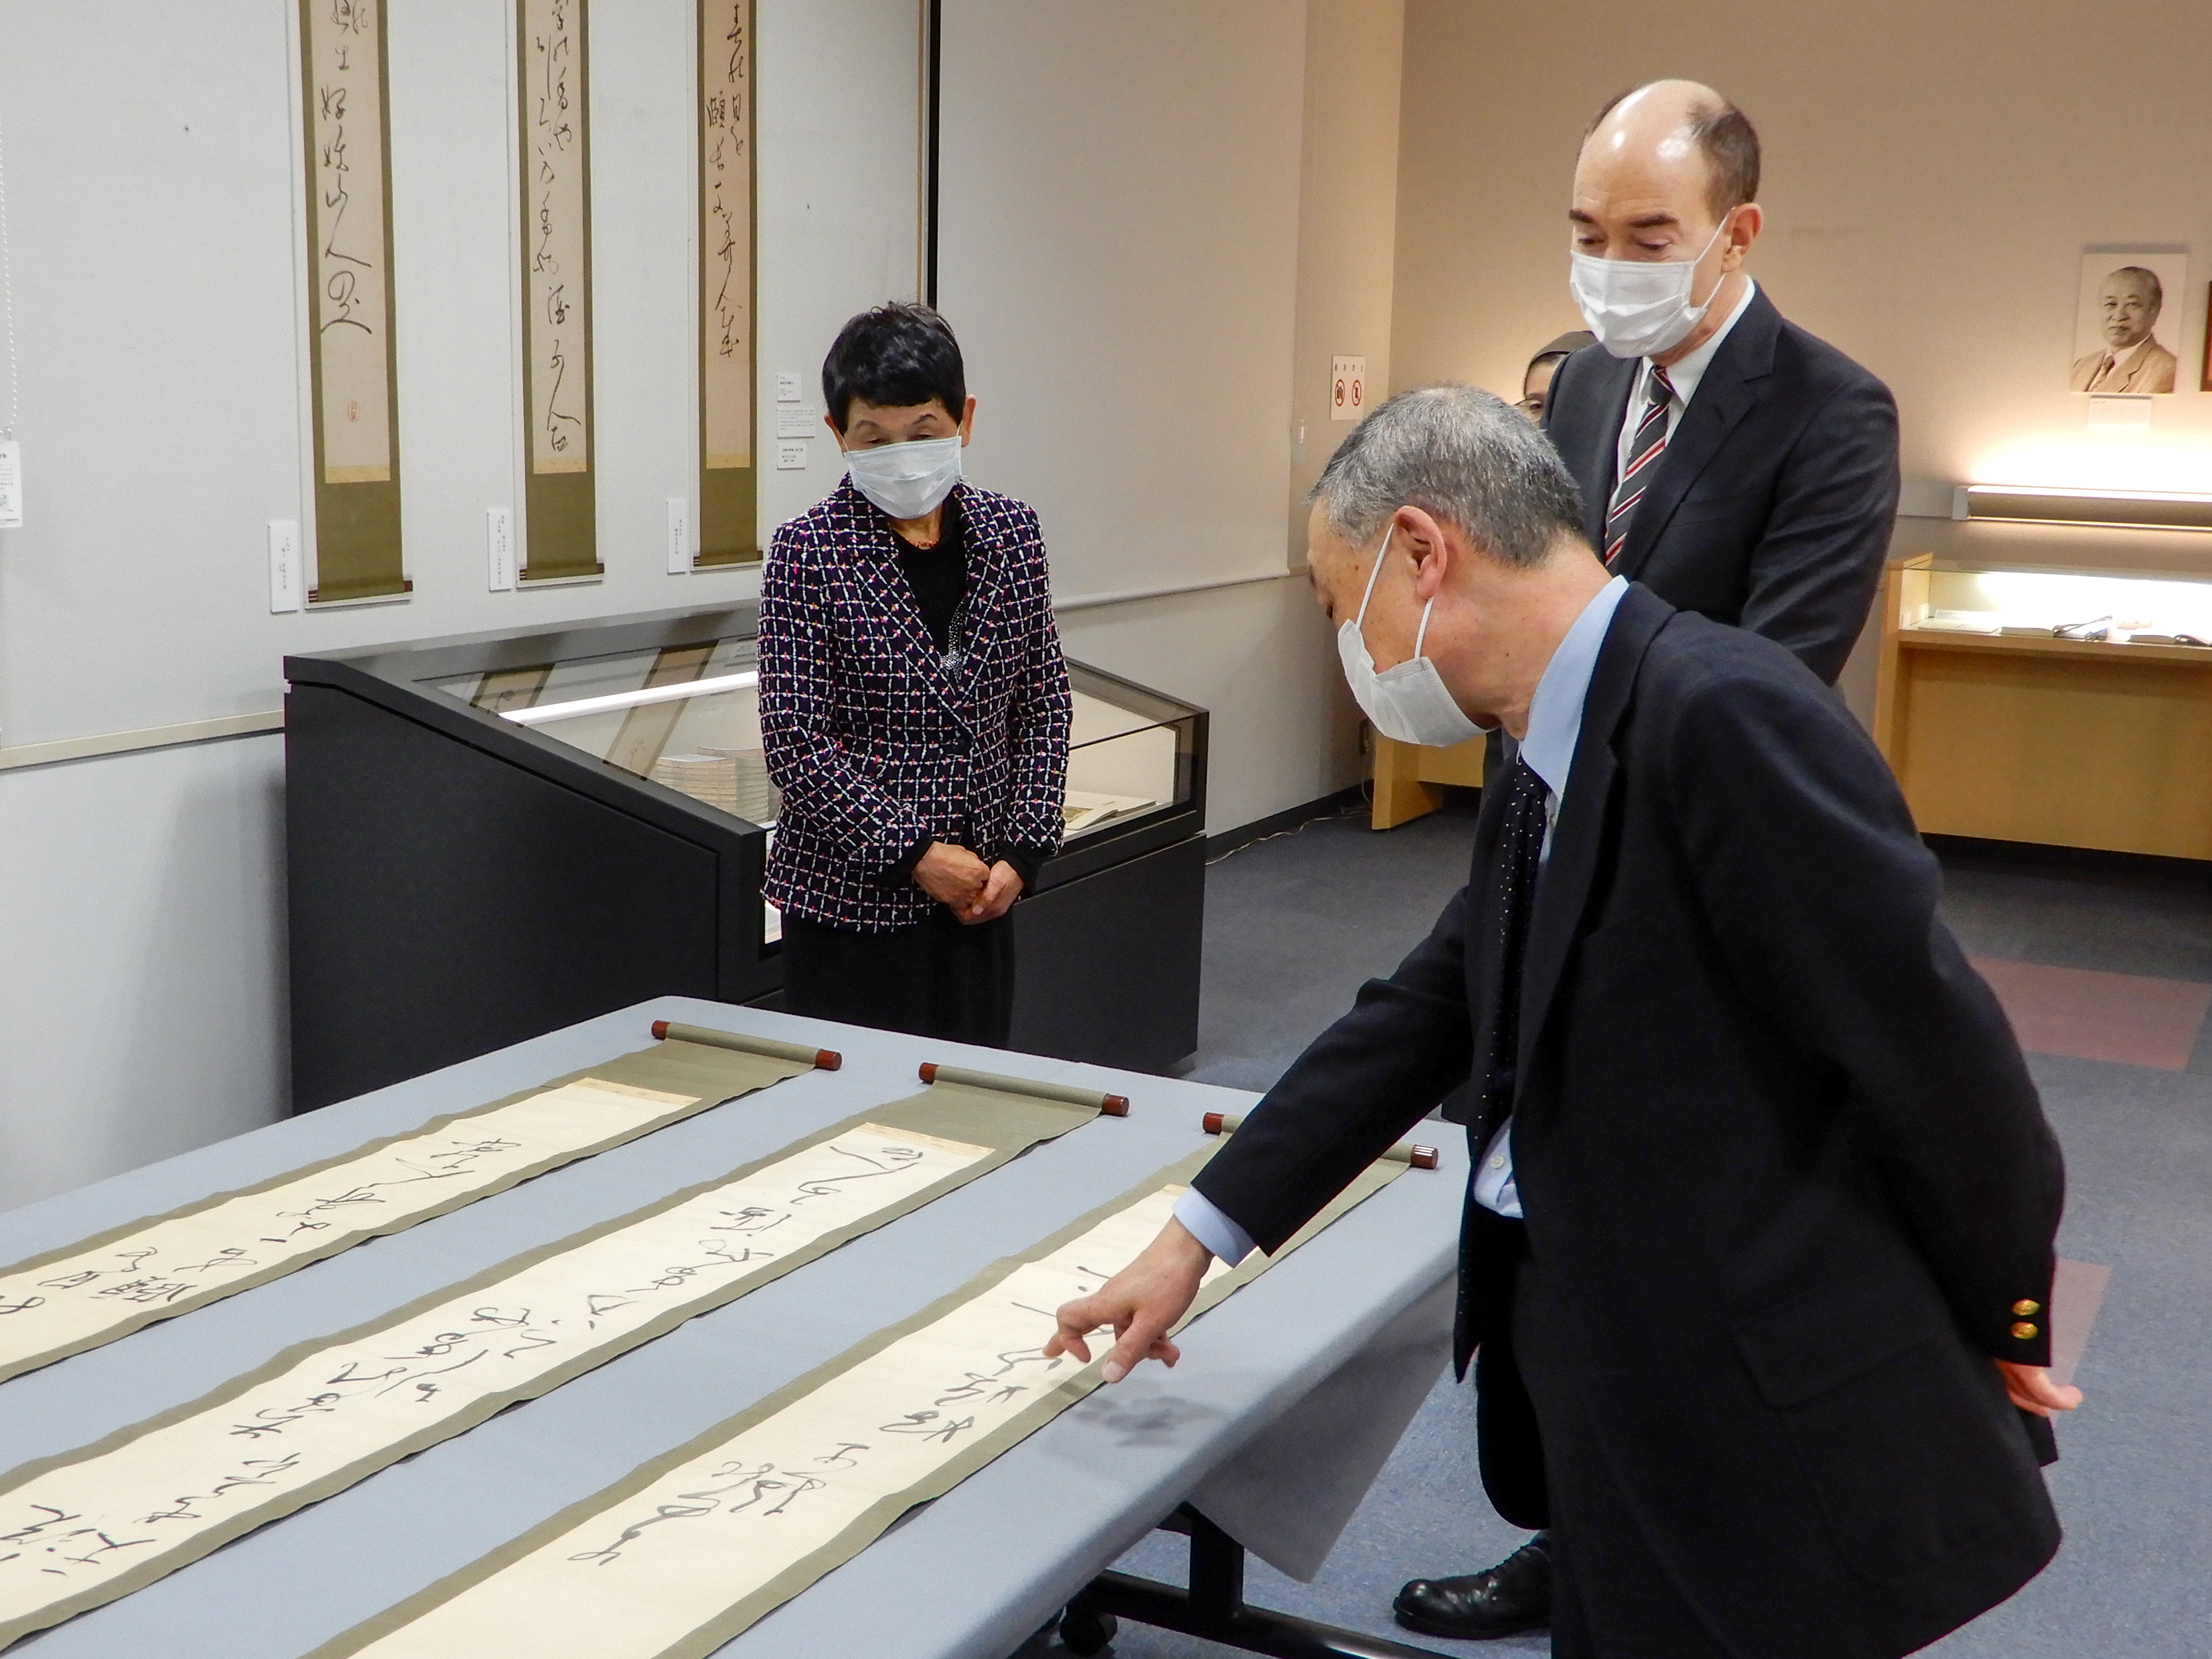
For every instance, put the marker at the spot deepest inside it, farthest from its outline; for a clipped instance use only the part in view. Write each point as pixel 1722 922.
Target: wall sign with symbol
pixel 1347 388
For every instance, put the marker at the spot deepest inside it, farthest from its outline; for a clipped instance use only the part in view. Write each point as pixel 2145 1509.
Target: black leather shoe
pixel 1514 1595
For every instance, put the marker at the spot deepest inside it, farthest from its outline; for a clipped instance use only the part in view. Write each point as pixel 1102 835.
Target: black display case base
pixel 1107 966
pixel 1213 1608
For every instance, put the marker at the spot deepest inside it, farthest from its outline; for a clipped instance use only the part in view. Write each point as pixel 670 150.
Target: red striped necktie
pixel 1643 452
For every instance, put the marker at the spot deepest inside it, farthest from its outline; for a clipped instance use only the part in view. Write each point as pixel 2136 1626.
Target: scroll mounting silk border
pixel 101 1289
pixel 699 1545
pixel 85 1527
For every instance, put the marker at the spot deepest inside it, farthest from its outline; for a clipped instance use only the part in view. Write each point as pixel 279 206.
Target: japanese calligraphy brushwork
pixel 102 1288
pixel 698 1545
pixel 82 1528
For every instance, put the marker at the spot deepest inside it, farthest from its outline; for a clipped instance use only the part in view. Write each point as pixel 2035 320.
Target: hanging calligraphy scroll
pixel 561 531
pixel 352 368
pixel 728 521
pixel 98 1290
pixel 94 1524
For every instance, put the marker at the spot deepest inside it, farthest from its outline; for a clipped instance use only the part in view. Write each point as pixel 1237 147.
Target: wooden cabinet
pixel 2024 735
pixel 1410 780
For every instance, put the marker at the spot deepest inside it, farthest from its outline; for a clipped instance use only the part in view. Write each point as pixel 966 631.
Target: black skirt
pixel 937 978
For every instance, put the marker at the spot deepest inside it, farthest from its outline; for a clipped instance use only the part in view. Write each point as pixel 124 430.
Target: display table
pixel 2001 721
pixel 1347 1333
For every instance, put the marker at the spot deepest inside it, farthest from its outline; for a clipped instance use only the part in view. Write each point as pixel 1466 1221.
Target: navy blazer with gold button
pixel 1787 1182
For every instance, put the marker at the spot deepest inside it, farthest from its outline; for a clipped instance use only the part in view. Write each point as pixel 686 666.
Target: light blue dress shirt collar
pixel 1555 712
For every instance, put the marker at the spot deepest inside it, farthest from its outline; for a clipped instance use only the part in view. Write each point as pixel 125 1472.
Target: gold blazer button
pixel 2023 1330
pixel 2024 1307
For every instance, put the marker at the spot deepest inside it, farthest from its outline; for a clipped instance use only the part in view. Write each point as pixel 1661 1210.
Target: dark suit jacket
pixel 1774 501
pixel 1784 1173
pixel 875 744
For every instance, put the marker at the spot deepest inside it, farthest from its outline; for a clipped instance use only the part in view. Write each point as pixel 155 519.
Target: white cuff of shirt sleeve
pixel 1205 1222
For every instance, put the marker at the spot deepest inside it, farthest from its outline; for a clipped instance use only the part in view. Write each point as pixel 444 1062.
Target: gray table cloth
pixel 1289 1397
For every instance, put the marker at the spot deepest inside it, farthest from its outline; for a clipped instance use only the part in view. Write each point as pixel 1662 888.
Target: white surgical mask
pixel 1638 307
pixel 906 480
pixel 1408 703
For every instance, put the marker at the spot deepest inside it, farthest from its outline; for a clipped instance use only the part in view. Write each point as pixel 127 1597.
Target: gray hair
pixel 1466 456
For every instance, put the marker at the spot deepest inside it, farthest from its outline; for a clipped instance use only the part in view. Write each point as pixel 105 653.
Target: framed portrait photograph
pixel 2127 321
pixel 2205 385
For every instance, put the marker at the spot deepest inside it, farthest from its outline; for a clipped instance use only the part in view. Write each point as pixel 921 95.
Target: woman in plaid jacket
pixel 914 704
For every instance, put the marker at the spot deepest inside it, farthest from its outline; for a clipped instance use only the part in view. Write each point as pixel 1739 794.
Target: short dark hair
pixel 897 355
pixel 1728 141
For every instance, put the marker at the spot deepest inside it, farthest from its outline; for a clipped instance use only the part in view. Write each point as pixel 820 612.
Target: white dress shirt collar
pixel 1684 377
pixel 1686 373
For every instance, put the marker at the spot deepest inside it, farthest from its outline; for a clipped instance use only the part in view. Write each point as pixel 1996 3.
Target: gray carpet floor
pixel 1294 925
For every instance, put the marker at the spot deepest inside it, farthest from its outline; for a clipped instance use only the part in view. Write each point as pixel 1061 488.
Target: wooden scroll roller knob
pixel 1424 1157
pixel 1211 1123
pixel 660 1029
pixel 1115 1105
pixel 929 1070
pixel 828 1060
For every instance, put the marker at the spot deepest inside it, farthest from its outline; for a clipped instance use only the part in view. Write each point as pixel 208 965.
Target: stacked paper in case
pixel 734 780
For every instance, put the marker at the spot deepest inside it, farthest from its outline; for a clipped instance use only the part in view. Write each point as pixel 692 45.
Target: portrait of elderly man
pixel 2129 357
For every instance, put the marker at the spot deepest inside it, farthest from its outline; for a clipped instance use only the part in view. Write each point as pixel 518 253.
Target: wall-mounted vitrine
pixel 2070 707
pixel 495 835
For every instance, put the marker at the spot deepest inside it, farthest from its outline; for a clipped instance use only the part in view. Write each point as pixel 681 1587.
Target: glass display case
pixel 2116 607
pixel 688 717
pixel 2068 707
pixel 496 836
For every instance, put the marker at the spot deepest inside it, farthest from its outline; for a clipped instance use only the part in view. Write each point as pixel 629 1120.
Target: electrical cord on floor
pixel 1364 803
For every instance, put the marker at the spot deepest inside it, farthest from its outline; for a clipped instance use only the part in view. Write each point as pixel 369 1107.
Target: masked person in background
pixel 1543 368
pixel 1726 459
pixel 914 704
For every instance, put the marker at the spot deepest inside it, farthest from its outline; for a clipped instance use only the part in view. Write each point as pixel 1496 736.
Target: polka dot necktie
pixel 1513 886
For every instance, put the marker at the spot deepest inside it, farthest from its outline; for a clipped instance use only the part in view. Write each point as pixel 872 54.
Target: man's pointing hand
pixel 1141 1302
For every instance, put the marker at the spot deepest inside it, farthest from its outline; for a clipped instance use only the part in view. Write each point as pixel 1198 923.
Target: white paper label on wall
pixel 498 548
pixel 1347 388
pixel 679 536
pixel 791 458
pixel 796 422
pixel 286 591
pixel 788 383
pixel 11 486
pixel 2119 412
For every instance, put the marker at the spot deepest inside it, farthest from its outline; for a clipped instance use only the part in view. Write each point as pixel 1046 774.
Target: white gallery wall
pixel 1160 221
pixel 151 196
